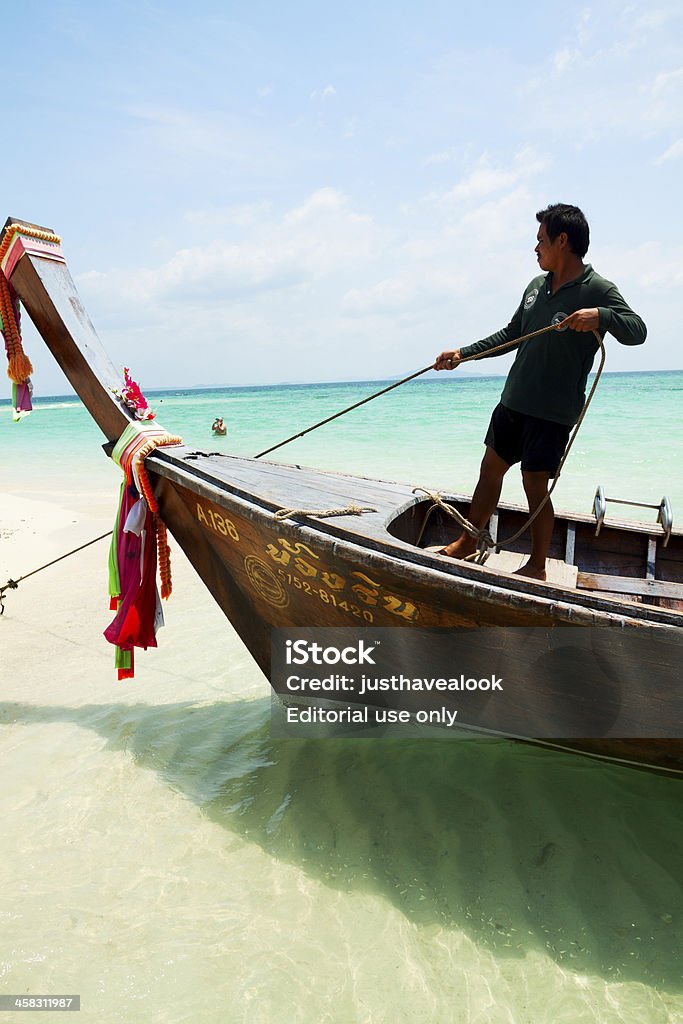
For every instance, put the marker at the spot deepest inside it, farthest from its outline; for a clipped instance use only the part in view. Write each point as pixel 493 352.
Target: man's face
pixel 547 252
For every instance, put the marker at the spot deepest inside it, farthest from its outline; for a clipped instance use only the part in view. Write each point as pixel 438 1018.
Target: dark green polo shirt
pixel 548 376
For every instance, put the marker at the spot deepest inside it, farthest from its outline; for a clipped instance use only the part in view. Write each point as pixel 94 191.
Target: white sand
pixel 58 615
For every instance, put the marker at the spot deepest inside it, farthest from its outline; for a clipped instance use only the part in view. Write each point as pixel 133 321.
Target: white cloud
pixel 218 218
pixel 321 236
pixel 650 20
pixel 90 276
pixel 418 291
pixel 323 94
pixel 667 81
pixel 387 295
pixel 351 127
pixel 624 64
pixel 445 157
pixel 314 292
pixel 565 59
pixel 584 26
pixel 181 140
pixel 322 200
pixel 662 270
pixel 487 179
pixel 674 152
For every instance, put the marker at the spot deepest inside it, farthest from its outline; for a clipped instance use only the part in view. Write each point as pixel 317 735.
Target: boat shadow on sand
pixel 521 848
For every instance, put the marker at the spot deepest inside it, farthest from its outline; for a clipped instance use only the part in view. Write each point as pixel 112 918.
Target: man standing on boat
pixel 544 391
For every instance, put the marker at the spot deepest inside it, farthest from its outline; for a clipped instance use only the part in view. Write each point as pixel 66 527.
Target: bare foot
pixel 531 572
pixel 461 548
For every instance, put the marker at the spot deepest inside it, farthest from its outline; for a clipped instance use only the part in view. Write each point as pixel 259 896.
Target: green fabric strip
pixel 114 578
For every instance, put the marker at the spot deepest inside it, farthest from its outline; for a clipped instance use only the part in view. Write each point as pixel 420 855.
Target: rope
pixel 13 584
pixel 343 412
pixel 405 380
pixel 483 537
pixel 544 502
pixel 324 513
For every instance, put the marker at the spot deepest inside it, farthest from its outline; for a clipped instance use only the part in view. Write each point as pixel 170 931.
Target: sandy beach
pixel 62 610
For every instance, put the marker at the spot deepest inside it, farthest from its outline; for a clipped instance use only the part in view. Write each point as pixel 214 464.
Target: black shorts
pixel 538 444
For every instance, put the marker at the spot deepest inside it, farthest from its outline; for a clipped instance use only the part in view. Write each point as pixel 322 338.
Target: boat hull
pixel 270 569
pixel 281 574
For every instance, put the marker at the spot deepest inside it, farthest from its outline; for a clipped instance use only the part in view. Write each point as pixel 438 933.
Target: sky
pixel 263 193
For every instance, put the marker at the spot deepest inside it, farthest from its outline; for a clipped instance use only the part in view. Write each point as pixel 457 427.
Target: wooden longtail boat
pixel 373 570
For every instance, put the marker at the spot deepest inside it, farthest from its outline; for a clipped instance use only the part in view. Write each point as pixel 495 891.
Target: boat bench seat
pixel 630 585
pixel 556 571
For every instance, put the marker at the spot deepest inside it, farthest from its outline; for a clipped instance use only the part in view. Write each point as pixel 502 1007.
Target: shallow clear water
pixel 167 859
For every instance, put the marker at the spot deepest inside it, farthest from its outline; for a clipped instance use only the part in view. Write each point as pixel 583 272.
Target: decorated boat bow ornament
pixel 139 536
pixel 19 238
pixel 133 398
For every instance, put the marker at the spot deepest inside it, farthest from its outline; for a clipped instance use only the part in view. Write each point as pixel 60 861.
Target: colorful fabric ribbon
pixel 139 535
pixel 19 367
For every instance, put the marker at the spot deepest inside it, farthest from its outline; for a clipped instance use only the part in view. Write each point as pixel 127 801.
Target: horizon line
pixel 326 383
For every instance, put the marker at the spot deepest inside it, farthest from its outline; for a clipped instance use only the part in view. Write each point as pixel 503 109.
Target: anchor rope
pixel 14 584
pixel 484 540
pixel 406 380
pixel 483 537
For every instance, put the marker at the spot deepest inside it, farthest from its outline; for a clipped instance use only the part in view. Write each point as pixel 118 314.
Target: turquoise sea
pixel 166 858
pixel 428 432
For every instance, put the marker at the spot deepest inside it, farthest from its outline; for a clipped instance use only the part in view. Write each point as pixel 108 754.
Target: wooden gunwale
pixel 49 296
pixel 490 584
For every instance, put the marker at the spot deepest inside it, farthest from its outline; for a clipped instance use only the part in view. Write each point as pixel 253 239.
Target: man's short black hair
pixel 558 218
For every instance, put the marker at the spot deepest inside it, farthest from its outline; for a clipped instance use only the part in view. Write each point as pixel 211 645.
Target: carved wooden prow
pixel 37 270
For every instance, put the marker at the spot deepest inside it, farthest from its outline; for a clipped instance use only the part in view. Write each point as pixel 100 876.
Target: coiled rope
pixel 482 537
pixel 322 513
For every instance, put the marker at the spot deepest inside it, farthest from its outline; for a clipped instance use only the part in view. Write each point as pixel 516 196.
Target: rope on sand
pixel 14 584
